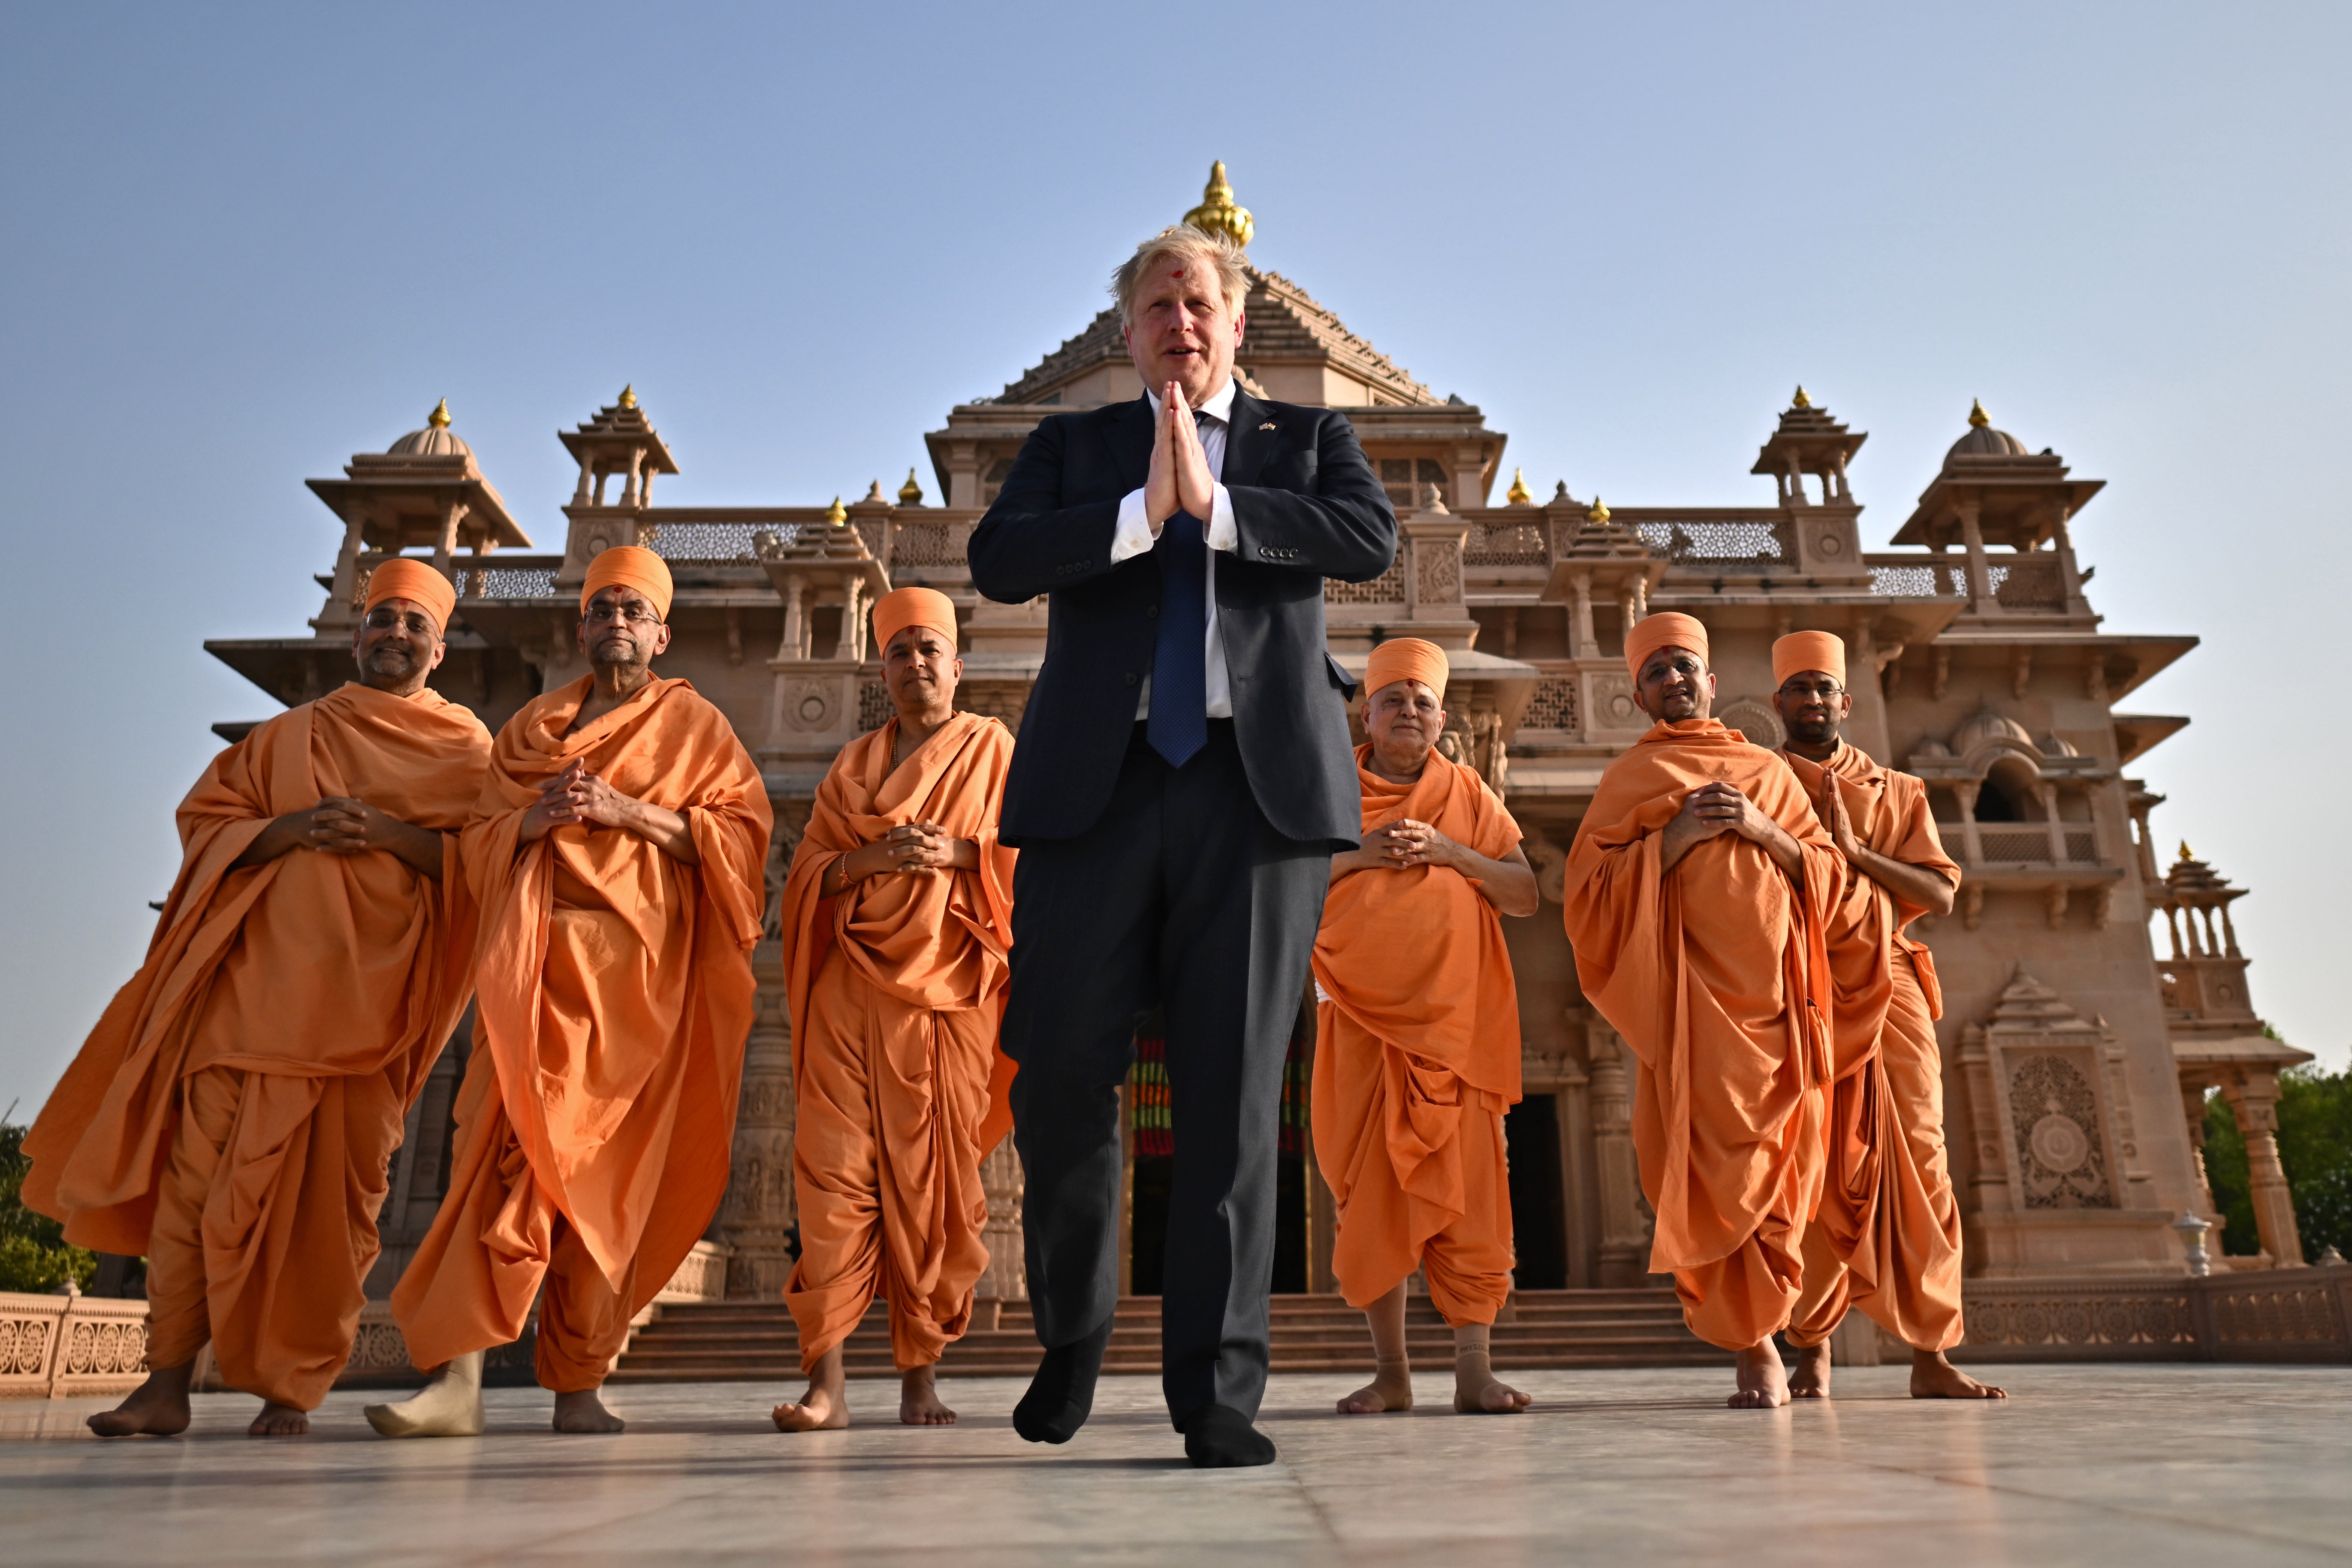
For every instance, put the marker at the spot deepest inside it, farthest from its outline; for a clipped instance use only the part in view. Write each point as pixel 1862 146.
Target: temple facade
pixel 2077 1056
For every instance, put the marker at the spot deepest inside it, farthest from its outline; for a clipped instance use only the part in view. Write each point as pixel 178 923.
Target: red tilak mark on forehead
pixel 1175 273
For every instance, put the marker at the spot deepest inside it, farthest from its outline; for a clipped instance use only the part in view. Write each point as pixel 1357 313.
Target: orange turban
pixel 629 566
pixel 1665 629
pixel 1406 658
pixel 1801 651
pixel 417 581
pixel 896 610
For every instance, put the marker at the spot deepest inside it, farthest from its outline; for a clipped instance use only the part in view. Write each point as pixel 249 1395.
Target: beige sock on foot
pixel 449 1407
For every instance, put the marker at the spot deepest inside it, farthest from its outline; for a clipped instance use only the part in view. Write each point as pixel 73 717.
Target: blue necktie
pixel 1179 726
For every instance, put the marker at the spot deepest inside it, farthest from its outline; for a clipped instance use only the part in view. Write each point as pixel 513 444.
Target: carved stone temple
pixel 2077 1052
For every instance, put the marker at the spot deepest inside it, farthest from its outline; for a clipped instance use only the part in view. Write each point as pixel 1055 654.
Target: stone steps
pixel 756 1341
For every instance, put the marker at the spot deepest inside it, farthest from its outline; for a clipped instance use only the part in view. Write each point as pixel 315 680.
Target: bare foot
pixel 1811 1378
pixel 919 1398
pixel 1390 1390
pixel 1483 1393
pixel 821 1409
pixel 825 1407
pixel 581 1411
pixel 1933 1377
pixel 448 1405
pixel 1763 1381
pixel 156 1409
pixel 278 1420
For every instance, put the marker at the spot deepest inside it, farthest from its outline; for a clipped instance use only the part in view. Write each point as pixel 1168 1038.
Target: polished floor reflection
pixel 2143 1466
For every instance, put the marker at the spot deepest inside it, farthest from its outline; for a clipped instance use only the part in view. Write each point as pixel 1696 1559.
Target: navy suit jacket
pixel 1307 506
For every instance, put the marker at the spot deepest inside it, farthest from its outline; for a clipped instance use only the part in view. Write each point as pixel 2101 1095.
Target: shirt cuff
pixel 1132 537
pixel 1224 533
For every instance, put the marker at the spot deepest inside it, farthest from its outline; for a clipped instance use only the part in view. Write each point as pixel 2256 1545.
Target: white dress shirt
pixel 1134 536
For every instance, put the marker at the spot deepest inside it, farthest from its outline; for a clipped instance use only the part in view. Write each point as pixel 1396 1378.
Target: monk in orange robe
pixel 616 854
pixel 897 919
pixel 1699 894
pixel 1887 1237
pixel 1417 1037
pixel 232 1114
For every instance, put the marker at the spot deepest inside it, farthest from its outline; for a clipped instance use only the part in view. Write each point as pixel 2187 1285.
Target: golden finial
pixel 910 493
pixel 837 514
pixel 1976 414
pixel 629 395
pixel 439 417
pixel 1518 494
pixel 2185 855
pixel 1217 214
pixel 1597 513
pixel 1800 400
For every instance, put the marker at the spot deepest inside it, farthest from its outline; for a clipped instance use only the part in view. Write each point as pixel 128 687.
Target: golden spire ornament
pixel 629 395
pixel 837 514
pixel 910 493
pixel 1518 494
pixel 1217 214
pixel 1800 400
pixel 1597 513
pixel 1977 415
pixel 439 417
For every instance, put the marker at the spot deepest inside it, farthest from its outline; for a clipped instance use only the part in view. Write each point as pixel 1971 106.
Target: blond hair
pixel 1215 251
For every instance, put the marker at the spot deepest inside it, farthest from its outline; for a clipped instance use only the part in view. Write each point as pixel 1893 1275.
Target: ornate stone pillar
pixel 1980 600
pixel 1007 1278
pixel 2192 1110
pixel 1971 844
pixel 758 1213
pixel 1583 642
pixel 2255 1104
pixel 1624 1232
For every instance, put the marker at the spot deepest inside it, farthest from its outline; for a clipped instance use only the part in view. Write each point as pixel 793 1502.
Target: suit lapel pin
pixel 1267 426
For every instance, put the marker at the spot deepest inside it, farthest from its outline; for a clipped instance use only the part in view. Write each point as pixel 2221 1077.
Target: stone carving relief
pixel 2061 1155
pixel 1755 720
pixel 1441 571
pixel 808 704
pixel 1613 705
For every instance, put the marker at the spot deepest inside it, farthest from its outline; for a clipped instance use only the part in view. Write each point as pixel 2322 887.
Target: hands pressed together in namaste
pixel 1179 479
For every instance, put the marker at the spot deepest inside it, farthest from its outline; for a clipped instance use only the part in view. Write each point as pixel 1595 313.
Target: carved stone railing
pixel 56 1347
pixel 1388 588
pixel 2267 1315
pixel 1918 577
pixel 1723 536
pixel 508 577
pixel 1517 542
pixel 2030 584
pixel 2023 843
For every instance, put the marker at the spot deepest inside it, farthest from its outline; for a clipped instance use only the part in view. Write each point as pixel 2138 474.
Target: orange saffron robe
pixel 1417 1057
pixel 1887 1236
pixel 596 1121
pixel 897 987
pixel 232 1116
pixel 1716 975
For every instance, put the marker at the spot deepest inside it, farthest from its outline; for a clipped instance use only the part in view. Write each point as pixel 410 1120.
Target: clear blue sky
pixel 242 242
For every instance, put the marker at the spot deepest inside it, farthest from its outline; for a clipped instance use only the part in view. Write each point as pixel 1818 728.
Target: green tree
pixel 2315 1139
pixel 34 1252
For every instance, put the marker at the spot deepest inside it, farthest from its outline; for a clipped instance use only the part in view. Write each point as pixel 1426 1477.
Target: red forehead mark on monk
pixel 1175 273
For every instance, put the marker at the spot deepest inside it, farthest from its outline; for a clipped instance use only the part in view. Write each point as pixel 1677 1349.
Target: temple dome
pixel 435 440
pixel 1983 441
pixel 1988 725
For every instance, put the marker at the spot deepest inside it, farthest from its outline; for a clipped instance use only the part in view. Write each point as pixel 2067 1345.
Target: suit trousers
pixel 1181 896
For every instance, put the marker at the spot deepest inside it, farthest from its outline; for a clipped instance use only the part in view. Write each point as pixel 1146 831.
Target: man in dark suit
pixel 1182 778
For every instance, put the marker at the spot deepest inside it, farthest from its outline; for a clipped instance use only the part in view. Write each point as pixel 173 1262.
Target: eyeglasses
pixel 635 615
pixel 1800 691
pixel 383 618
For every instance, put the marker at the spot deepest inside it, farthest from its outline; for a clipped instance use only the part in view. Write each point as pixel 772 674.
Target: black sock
pixel 1217 1436
pixel 1062 1395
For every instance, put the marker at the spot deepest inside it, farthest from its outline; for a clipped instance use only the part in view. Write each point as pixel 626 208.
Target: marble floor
pixel 2141 1466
